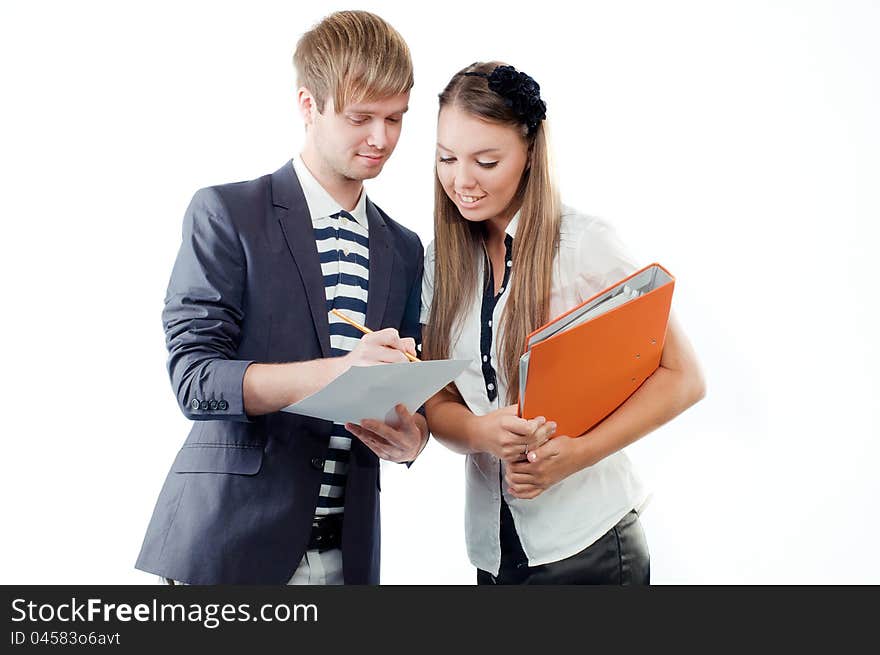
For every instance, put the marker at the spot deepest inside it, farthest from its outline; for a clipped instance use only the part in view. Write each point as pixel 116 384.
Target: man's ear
pixel 307 105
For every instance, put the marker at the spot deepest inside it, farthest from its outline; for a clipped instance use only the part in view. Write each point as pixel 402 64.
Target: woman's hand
pixel 673 387
pixel 552 462
pixel 508 437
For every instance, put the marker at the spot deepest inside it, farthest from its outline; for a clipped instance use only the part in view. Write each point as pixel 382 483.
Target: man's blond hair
pixel 352 56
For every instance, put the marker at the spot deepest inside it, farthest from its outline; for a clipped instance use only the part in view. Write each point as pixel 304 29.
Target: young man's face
pixel 356 142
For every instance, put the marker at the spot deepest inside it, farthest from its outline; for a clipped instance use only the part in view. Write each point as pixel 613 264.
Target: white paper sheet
pixel 373 391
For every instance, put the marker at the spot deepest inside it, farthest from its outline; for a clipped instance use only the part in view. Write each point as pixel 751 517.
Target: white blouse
pixel 574 513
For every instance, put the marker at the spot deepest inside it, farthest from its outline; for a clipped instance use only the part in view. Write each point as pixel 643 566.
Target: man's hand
pixel 381 347
pixel 401 443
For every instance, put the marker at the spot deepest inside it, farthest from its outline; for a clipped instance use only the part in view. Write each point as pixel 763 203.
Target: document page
pixel 373 391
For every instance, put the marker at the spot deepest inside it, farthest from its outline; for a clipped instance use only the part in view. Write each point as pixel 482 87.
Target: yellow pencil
pixel 367 330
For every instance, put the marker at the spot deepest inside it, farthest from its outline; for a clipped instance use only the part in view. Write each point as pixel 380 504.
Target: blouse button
pixel 490 386
pixel 490 323
pixel 485 358
pixel 509 263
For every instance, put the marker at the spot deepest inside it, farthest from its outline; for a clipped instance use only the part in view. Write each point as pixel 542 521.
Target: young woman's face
pixel 479 164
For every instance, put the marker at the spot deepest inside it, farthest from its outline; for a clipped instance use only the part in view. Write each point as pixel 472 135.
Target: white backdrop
pixel 737 143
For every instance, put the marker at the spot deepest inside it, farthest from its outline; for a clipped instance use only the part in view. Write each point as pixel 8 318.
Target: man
pixel 259 496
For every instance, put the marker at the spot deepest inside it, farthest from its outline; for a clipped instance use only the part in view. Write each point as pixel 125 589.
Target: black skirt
pixel 619 557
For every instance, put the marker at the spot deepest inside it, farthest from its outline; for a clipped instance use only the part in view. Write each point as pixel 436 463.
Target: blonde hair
pixel 352 56
pixel 459 244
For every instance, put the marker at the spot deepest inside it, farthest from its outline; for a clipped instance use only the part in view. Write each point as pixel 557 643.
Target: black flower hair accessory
pixel 520 92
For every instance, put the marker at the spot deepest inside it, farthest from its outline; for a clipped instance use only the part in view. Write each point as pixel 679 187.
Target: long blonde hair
pixel 459 243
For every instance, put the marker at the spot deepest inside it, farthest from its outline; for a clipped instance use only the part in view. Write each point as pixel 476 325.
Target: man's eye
pixel 393 120
pixel 358 121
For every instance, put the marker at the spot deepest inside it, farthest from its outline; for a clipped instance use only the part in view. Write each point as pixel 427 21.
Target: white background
pixel 737 143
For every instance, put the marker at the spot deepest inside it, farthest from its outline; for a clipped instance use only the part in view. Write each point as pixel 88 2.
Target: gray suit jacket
pixel 237 504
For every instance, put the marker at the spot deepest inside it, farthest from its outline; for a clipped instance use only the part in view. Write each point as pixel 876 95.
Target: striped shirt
pixel 343 250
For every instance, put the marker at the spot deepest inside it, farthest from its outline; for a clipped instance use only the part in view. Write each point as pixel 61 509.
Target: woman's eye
pixel 487 164
pixel 447 160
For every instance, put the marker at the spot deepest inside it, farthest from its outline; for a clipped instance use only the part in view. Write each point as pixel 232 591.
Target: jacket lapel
pixel 296 224
pixel 380 267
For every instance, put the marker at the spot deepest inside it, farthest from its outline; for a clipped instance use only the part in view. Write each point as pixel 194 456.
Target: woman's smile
pixel 469 200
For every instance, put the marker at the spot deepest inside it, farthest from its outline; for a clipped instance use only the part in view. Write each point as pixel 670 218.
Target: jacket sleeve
pixel 203 313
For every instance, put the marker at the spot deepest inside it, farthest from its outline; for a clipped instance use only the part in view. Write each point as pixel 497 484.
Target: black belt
pixel 326 533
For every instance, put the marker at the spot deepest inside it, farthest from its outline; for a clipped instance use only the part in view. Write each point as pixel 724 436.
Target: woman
pixel 506 258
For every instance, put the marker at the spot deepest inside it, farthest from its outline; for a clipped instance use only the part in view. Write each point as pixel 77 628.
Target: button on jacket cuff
pixel 219 394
